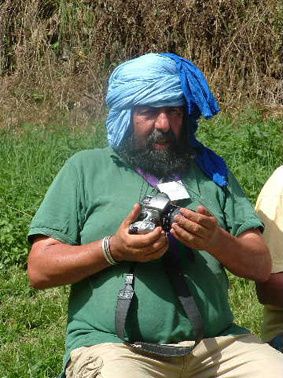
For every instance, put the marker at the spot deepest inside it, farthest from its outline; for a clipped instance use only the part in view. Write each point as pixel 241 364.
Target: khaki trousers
pixel 225 356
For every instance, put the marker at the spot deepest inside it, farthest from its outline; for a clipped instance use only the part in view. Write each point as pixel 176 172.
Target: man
pixel 270 293
pixel 153 304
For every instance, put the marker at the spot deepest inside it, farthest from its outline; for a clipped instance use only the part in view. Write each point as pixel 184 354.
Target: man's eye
pixel 148 112
pixel 176 111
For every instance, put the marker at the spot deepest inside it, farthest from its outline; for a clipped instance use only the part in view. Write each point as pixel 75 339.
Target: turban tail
pixel 163 80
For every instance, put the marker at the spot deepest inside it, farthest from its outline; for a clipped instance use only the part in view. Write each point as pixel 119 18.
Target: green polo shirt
pixel 88 200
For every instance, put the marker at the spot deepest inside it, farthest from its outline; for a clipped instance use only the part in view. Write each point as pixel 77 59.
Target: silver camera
pixel 156 211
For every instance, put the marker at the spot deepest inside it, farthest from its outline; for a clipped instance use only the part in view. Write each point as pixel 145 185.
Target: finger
pixel 189 227
pixel 140 243
pixel 147 240
pixel 149 252
pixel 187 213
pixel 154 235
pixel 203 210
pixel 208 220
pixel 132 215
pixel 201 216
pixel 162 242
pixel 184 236
pixel 156 253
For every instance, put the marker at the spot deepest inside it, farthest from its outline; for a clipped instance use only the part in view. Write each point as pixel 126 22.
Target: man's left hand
pixel 245 255
pixel 196 229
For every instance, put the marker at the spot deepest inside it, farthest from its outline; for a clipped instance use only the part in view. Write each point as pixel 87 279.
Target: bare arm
pixel 53 263
pixel 245 256
pixel 271 291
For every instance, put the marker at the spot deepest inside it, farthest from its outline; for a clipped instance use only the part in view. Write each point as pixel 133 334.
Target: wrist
pixel 115 250
pixel 219 239
pixel 106 249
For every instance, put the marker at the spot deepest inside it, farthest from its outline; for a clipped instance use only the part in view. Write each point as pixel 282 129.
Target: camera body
pixel 156 211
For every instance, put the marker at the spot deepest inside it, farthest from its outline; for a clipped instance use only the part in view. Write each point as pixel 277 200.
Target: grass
pixel 32 323
pixel 32 158
pixel 31 328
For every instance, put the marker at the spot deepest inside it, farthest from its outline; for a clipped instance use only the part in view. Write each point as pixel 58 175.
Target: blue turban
pixel 163 80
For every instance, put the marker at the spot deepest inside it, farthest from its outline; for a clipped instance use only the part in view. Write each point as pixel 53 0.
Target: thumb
pixel 132 215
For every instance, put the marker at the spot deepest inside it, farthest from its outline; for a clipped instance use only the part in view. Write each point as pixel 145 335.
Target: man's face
pixel 157 125
pixel 158 144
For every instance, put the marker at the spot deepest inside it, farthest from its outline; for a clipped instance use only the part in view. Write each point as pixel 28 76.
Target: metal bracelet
pixel 106 250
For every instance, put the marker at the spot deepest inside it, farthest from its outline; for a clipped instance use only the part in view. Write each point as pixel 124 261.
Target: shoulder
pixel 273 188
pixel 85 155
pixel 209 184
pixel 233 184
pixel 276 178
pixel 89 158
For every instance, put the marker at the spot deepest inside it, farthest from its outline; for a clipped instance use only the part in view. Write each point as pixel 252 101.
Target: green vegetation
pixel 250 141
pixel 31 157
pixel 32 326
pixel 55 57
pixel 32 323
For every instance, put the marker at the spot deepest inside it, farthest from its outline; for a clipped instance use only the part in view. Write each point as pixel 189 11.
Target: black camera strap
pixel 176 277
pixel 124 301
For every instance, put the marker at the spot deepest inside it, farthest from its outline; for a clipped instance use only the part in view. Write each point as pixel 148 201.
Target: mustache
pixel 158 136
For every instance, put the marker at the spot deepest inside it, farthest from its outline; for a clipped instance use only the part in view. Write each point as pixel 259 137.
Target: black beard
pixel 161 163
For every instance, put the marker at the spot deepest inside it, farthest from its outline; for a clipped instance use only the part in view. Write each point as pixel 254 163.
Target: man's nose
pixel 162 122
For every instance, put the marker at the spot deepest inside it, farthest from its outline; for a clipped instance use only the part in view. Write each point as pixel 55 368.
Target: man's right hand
pixel 140 248
pixel 53 263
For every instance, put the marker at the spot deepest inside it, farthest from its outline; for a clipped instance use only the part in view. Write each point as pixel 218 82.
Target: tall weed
pixel 55 56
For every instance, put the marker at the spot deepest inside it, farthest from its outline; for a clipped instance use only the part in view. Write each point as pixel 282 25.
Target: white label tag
pixel 175 190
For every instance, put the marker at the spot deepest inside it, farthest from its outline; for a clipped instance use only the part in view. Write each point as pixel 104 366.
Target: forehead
pixel 140 109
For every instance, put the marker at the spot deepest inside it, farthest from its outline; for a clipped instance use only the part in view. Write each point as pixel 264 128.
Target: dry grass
pixel 55 55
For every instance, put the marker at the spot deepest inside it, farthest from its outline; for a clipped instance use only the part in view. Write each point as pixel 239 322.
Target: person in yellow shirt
pixel 269 207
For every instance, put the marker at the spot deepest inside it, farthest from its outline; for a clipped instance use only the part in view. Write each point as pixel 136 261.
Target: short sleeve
pixel 269 207
pixel 59 215
pixel 239 212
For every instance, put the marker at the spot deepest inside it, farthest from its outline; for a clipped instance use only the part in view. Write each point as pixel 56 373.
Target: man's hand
pixel 141 248
pixel 198 230
pixel 53 263
pixel 245 255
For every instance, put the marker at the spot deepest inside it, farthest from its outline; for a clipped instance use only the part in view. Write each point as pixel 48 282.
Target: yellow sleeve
pixel 269 207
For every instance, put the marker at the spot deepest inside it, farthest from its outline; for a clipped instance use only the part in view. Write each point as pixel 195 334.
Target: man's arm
pixel 246 256
pixel 53 263
pixel 271 291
